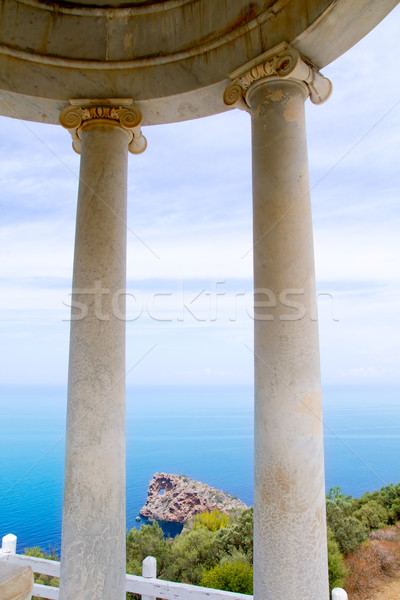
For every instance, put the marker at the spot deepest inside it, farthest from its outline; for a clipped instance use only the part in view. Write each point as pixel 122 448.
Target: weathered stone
pixel 172 56
pixel 93 538
pixel 290 559
pixel 16 582
pixel 177 499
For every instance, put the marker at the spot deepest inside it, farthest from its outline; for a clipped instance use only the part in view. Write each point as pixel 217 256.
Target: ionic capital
pixel 281 62
pixel 84 114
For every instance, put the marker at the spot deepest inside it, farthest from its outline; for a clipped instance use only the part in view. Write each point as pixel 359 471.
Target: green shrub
pixel 336 567
pixel 348 531
pixel 212 521
pixel 394 511
pixel 191 552
pixel 234 576
pixel 147 541
pixel 38 577
pixel 372 515
pixel 238 536
pixel 350 534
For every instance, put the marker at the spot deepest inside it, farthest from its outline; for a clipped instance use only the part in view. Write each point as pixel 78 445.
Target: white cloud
pixel 363 373
pixel 190 203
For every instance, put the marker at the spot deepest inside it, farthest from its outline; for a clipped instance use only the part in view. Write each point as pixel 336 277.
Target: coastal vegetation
pixel 367 534
pixel 212 550
pixel 39 578
pixel 212 520
pixel 216 550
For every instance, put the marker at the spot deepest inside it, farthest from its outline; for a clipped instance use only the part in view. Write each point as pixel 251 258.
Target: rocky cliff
pixel 176 498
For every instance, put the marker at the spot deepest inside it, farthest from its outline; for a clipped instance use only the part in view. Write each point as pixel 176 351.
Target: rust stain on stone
pixel 45 35
pixel 292 110
pixel 274 95
pixel 280 489
pixel 310 406
pixel 245 15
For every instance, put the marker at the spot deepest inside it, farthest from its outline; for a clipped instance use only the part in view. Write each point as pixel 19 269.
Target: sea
pixel 205 433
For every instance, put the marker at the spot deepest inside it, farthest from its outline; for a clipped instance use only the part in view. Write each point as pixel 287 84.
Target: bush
pixel 336 567
pixel 388 555
pixel 350 534
pixel 370 566
pixel 348 531
pixel 213 521
pixel 389 534
pixel 387 498
pixel 147 541
pixel 39 578
pixel 191 552
pixel 394 511
pixel 238 536
pixel 235 576
pixel 365 573
pixel 372 515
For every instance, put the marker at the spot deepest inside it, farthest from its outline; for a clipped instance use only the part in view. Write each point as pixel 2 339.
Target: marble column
pixel 290 548
pixel 94 527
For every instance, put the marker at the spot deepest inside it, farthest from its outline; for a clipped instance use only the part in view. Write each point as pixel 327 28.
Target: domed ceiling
pixel 111 3
pixel 173 57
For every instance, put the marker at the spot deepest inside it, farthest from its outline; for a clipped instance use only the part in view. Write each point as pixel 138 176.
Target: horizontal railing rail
pixel 147 585
pixel 169 590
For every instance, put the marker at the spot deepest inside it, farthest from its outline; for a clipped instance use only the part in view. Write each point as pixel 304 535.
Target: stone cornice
pixel 121 13
pixel 88 9
pixel 281 62
pixel 114 112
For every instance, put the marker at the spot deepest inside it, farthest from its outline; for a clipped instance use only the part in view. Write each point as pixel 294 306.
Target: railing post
pixel 149 570
pixel 339 594
pixel 9 544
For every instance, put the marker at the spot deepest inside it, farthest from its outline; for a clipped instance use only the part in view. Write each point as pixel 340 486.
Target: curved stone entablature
pixel 112 112
pixel 172 56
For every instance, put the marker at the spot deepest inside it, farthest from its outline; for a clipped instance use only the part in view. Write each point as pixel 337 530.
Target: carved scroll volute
pixel 282 62
pixel 293 66
pixel 76 118
pixel 234 96
pixel 71 119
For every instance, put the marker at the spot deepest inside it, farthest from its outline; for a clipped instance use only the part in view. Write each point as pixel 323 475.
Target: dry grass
pixel 375 566
pixel 389 591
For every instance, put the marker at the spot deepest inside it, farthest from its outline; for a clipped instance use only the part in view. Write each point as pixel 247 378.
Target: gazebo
pixel 102 69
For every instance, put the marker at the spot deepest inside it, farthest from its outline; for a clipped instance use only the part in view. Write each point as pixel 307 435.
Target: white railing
pixel 148 586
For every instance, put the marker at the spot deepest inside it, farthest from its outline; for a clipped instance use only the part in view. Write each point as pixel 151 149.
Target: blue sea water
pixel 204 433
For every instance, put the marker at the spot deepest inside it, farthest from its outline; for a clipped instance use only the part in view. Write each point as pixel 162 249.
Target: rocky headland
pixel 177 499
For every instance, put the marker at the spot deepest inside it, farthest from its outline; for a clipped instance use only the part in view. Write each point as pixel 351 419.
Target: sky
pixel 189 271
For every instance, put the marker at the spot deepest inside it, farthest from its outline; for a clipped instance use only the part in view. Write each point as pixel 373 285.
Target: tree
pixel 335 493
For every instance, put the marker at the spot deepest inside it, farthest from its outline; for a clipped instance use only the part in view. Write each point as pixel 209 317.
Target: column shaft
pixel 93 534
pixel 290 555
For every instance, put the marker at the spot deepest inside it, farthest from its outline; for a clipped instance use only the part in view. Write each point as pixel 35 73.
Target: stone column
pixel 290 548
pixel 94 527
